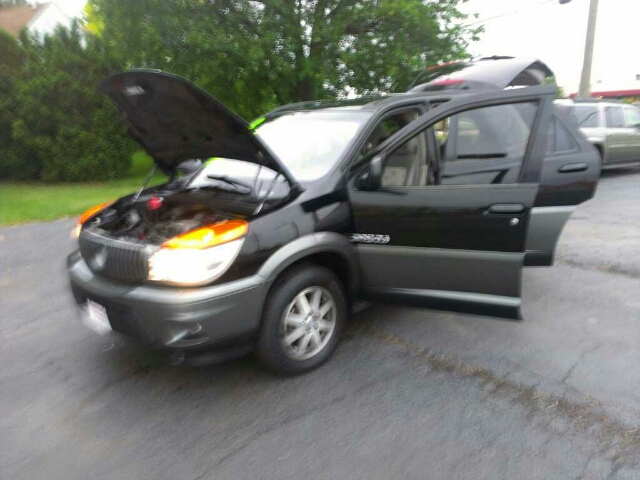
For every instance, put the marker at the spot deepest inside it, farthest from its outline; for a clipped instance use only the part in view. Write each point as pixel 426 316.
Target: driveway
pixel 409 393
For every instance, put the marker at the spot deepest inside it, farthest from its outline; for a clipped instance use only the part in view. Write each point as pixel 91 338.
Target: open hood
pixel 487 73
pixel 174 120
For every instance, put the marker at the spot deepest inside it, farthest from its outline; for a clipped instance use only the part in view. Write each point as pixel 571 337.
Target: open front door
pixel 454 239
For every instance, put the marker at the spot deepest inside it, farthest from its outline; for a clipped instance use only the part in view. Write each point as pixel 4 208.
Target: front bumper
pixel 171 317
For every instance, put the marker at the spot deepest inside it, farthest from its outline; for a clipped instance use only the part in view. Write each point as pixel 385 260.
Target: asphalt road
pixel 409 393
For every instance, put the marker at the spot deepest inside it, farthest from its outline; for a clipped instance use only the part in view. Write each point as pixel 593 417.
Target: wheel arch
pixel 328 249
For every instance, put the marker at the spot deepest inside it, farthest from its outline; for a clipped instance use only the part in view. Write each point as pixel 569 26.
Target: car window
pixel 632 116
pixel 489 145
pixel 406 166
pixel 559 139
pixel 388 126
pixel 614 117
pixel 493 132
pixel 480 146
pixel 586 116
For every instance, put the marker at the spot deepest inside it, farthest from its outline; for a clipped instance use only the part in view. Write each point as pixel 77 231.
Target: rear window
pixel 585 116
pixel 559 138
pixel 615 117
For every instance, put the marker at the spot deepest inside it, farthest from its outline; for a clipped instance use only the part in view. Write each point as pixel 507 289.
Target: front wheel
pixel 302 321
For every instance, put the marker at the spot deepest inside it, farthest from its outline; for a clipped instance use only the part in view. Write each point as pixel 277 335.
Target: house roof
pixel 14 19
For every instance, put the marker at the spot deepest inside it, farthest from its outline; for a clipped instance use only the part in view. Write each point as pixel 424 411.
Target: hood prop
pixel 147 179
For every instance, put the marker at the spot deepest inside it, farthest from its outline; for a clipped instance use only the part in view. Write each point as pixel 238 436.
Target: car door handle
pixel 507 208
pixel 573 167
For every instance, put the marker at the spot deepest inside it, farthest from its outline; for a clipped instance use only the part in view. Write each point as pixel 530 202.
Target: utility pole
pixel 585 79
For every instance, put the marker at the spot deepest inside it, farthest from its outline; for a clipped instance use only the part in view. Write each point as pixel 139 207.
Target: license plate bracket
pixel 95 317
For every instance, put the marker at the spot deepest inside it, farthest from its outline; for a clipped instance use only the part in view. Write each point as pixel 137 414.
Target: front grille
pixel 118 259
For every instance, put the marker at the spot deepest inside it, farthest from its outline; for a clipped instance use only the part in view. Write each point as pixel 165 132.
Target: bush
pixel 61 128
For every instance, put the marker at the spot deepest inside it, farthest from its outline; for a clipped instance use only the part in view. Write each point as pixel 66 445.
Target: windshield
pixel 264 181
pixel 310 143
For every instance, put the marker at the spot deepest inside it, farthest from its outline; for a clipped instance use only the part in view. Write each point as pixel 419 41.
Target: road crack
pixel 579 361
pixel 620 443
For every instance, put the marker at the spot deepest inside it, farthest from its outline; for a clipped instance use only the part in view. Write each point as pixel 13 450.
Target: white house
pixel 38 18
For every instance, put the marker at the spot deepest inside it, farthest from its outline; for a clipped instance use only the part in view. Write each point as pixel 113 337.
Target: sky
pixel 556 34
pixel 72 8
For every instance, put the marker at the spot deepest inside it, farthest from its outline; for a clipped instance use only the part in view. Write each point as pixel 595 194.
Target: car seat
pixel 403 166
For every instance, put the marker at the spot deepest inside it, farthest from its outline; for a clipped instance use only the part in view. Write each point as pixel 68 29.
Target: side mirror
pixel 371 179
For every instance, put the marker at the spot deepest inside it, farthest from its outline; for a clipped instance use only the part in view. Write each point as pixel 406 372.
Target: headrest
pixel 407 148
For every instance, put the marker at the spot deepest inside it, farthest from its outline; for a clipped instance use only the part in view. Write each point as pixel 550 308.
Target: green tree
pixel 61 127
pixel 560 93
pixel 12 59
pixel 254 55
pixel 12 3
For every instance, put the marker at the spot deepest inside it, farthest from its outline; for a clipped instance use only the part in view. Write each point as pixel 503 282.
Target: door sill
pixel 464 302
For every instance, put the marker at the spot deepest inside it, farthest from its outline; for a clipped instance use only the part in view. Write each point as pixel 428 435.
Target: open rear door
pixel 570 173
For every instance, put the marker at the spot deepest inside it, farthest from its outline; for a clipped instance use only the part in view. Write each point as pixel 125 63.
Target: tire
pixel 315 334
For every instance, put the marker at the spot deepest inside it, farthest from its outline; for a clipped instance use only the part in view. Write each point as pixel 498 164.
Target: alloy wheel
pixel 308 323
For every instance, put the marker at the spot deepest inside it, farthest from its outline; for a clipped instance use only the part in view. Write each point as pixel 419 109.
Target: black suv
pixel 435 198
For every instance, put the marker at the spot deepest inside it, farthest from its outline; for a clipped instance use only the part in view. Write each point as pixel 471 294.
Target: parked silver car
pixel 614 128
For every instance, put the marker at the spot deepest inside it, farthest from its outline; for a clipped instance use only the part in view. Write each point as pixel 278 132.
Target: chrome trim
pixel 556 209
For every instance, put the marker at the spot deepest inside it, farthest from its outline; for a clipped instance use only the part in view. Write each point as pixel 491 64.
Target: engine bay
pixel 153 219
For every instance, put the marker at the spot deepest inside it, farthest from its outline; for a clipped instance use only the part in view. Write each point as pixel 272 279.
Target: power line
pixel 511 12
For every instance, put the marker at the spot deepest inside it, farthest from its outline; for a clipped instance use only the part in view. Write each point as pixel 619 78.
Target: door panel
pixel 454 247
pixel 444 279
pixel 470 271
pixel 445 243
pixel 449 217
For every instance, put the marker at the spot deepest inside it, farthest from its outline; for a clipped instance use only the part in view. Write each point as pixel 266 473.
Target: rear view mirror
pixel 371 179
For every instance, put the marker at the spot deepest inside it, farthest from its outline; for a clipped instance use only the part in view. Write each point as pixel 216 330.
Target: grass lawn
pixel 32 201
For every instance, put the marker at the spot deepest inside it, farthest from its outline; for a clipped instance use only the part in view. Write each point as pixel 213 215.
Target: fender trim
pixel 314 243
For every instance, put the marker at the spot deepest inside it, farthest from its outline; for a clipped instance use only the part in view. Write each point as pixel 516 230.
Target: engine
pixel 154 220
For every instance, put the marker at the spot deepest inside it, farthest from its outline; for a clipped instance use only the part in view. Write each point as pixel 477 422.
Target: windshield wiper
pixel 237 185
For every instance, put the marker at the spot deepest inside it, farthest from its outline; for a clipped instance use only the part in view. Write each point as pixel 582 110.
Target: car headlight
pixel 199 256
pixel 87 215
